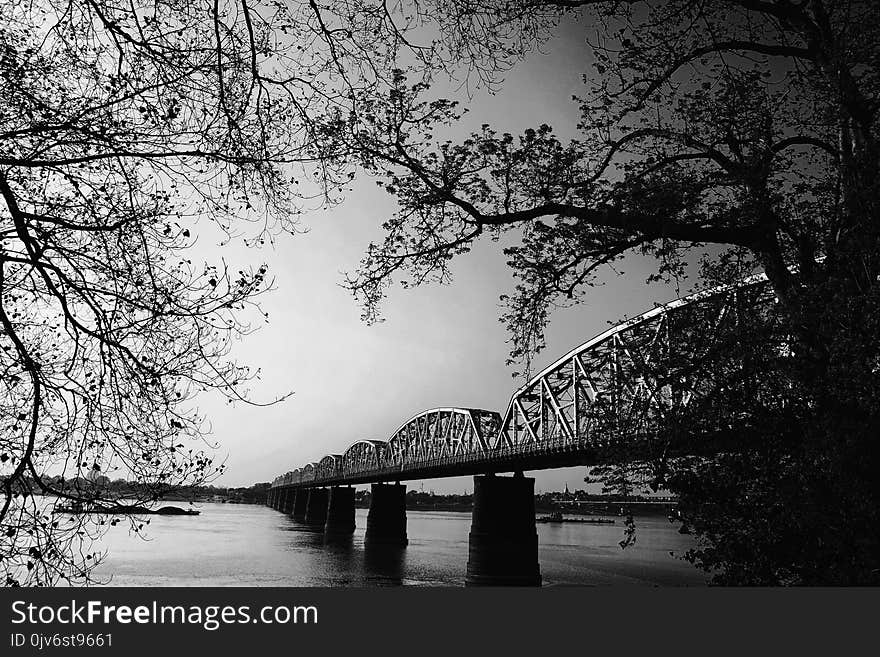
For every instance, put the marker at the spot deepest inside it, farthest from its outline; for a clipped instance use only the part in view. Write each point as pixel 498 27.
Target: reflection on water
pixel 384 565
pixel 244 545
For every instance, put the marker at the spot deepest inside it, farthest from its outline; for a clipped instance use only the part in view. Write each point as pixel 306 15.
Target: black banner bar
pixel 417 621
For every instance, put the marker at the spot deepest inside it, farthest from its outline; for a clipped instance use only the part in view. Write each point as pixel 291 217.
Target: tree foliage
pixel 743 129
pixel 127 132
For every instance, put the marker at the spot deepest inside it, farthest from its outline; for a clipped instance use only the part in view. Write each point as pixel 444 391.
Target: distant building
pixel 566 495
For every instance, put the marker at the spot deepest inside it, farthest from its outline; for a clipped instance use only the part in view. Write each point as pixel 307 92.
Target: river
pixel 250 545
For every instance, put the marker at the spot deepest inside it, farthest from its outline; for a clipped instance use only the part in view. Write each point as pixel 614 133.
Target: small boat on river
pixel 557 516
pixel 127 509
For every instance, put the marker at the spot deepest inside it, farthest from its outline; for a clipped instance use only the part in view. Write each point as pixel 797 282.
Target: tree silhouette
pixel 121 125
pixel 742 129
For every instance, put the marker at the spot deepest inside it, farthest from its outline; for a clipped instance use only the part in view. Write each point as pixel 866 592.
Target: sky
pixel 438 346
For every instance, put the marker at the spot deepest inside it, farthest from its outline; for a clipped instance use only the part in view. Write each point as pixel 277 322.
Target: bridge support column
pixel 287 506
pixel 503 543
pixel 279 499
pixel 386 521
pixel 316 508
pixel 300 504
pixel 340 512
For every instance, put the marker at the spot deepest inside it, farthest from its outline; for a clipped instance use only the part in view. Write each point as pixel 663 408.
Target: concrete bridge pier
pixel 340 512
pixel 287 505
pixel 279 499
pixel 386 520
pixel 316 507
pixel 503 542
pixel 270 498
pixel 300 504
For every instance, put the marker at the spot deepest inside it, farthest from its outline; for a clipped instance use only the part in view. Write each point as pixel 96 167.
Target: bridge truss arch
pixel 329 467
pixel 618 386
pixel 442 433
pixel 364 456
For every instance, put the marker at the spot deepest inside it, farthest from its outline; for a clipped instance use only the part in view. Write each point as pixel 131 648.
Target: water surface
pixel 250 545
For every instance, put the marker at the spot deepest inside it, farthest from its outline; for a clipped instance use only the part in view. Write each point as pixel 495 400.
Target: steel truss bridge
pixel 612 391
